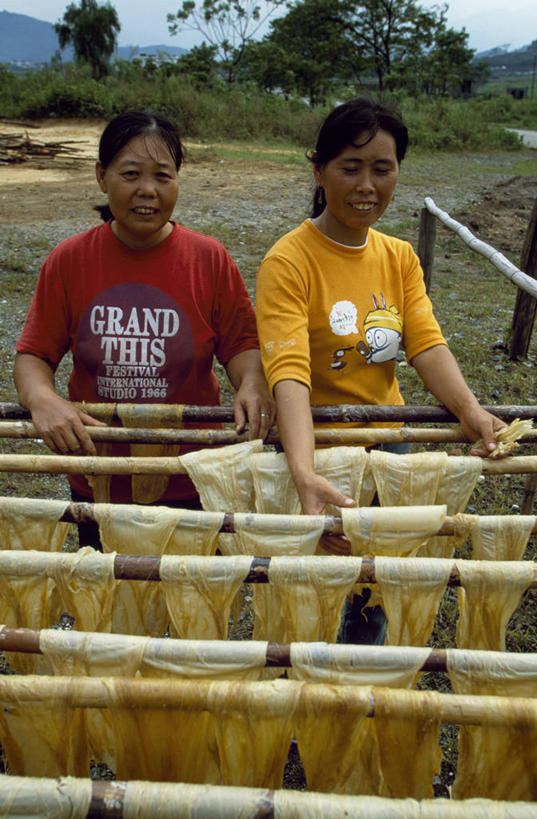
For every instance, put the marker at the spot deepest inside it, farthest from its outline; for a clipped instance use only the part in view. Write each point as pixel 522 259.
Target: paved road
pixel 529 138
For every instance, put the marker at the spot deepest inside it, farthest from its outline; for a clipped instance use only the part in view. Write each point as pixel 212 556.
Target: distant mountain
pixel 521 60
pixel 139 52
pixel 26 41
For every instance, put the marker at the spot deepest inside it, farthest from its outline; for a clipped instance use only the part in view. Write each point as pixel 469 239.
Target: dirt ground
pixel 63 188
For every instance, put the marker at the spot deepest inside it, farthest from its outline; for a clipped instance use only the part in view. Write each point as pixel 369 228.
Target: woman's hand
pixel 314 496
pixel 479 425
pixel 58 422
pixel 63 427
pixel 315 492
pixel 253 404
pixel 440 373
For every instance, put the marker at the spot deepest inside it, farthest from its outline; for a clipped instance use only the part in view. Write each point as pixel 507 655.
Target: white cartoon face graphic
pixel 383 331
pixel 383 344
pixel 343 316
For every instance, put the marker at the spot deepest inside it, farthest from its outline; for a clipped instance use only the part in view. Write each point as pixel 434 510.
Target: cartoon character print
pixel 382 327
pixel 383 332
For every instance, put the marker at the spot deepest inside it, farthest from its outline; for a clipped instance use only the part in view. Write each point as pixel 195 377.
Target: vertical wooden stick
pixel 525 305
pixel 426 240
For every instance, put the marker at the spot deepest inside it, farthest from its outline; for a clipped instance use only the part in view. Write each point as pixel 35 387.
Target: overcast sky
pixel 488 22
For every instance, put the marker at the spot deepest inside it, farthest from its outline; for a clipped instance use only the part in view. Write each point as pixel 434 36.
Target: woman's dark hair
pixel 129 125
pixel 345 124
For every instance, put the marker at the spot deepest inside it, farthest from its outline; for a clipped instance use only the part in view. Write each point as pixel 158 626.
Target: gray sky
pixel 488 22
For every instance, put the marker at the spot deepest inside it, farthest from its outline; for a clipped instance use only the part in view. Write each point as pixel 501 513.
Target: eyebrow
pixel 135 163
pixel 358 160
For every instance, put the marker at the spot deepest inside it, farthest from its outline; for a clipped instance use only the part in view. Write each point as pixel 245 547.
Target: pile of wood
pixel 16 148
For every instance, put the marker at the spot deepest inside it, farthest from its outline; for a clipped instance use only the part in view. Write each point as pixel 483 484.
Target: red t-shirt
pixel 143 325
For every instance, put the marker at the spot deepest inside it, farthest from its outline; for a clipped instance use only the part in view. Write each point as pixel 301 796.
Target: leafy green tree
pixel 326 43
pixel 92 30
pixel 200 64
pixel 443 66
pixel 447 64
pixel 381 32
pixel 266 64
pixel 229 25
pixel 306 51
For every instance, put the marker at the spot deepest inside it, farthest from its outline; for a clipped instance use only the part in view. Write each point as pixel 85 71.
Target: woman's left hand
pixel 440 373
pixel 253 404
pixel 479 425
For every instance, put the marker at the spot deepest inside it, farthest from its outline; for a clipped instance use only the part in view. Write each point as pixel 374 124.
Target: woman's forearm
pixel 61 425
pixel 34 379
pixel 439 371
pixel 295 426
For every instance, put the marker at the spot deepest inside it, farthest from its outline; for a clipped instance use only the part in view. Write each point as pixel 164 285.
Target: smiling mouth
pixel 362 206
pixel 144 211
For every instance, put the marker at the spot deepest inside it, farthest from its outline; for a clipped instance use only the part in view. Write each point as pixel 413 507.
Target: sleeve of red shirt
pixel 233 313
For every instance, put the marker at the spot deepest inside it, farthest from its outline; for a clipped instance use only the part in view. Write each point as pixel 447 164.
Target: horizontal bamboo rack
pixel 147 567
pixel 219 437
pixel 201 695
pixel 277 655
pixel 167 414
pixel 103 465
pixel 107 800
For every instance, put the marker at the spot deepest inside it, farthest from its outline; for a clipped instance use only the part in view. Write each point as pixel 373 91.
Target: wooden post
pixel 426 240
pixel 525 305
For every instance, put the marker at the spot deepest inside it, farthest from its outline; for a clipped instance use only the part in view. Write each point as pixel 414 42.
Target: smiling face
pixel 142 187
pixel 358 186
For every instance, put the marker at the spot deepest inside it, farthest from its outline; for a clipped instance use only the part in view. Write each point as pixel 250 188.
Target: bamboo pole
pixel 277 655
pixel 100 465
pixel 84 512
pixel 168 414
pixel 146 568
pixel 500 262
pixel 202 695
pixel 218 437
pixel 26 795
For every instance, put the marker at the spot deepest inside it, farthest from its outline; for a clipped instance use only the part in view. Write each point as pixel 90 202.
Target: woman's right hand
pixel 315 492
pixel 58 422
pixel 314 495
pixel 63 427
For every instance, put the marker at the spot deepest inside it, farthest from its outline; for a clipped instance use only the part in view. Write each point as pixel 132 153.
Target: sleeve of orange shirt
pixel 282 322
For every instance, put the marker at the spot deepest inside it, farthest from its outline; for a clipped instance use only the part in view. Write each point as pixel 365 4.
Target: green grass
pixel 526 167
pixel 281 154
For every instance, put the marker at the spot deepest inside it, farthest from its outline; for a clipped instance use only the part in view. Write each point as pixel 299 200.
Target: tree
pixel 308 54
pixel 92 29
pixel 227 24
pixel 382 31
pixel 199 63
pixel 329 42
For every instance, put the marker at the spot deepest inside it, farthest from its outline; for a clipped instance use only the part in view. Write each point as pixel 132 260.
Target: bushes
pixel 242 112
pixel 455 125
